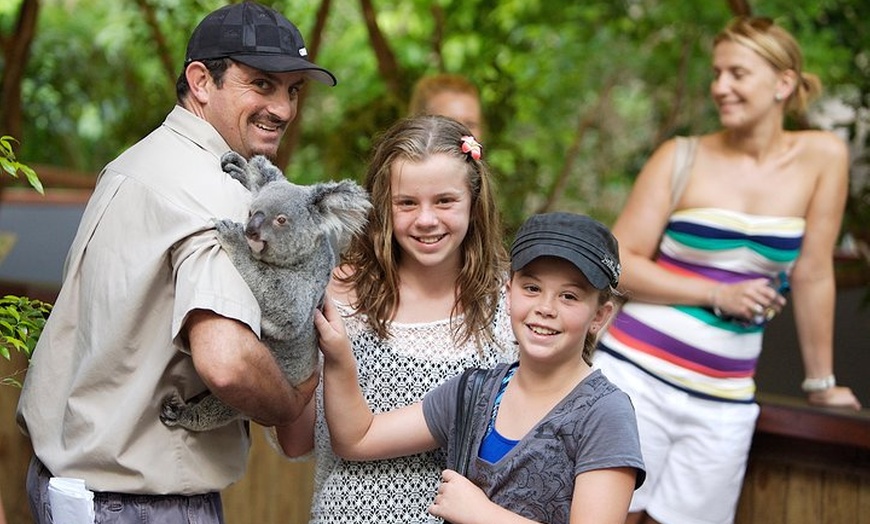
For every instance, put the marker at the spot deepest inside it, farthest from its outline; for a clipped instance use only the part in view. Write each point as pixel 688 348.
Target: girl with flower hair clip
pixel 422 294
pixel 471 147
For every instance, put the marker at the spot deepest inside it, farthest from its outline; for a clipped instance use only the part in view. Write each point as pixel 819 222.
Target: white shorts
pixel 695 450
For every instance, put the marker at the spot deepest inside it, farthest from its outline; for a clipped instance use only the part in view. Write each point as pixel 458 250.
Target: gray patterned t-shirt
pixel 594 427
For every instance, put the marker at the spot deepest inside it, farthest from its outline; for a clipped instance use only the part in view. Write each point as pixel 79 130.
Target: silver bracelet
pixel 815 385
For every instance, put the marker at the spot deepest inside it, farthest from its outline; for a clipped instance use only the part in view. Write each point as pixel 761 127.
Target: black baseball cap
pixel 256 36
pixel 579 239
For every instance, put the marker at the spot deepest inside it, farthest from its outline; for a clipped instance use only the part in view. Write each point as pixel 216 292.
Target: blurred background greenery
pixel 576 94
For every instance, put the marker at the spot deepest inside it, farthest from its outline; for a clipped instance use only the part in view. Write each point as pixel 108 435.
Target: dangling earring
pixel 777 97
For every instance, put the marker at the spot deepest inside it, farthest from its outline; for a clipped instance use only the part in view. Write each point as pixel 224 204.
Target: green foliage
pixel 21 318
pixel 21 323
pixel 87 118
pixel 12 166
pixel 576 94
pixel 635 72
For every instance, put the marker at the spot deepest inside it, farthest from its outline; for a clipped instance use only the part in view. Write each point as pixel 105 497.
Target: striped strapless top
pixel 689 347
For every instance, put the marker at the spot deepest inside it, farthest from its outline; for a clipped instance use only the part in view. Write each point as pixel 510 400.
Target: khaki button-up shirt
pixel 144 257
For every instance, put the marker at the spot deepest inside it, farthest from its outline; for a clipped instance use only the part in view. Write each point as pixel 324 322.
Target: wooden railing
pixel 274 491
pixel 808 465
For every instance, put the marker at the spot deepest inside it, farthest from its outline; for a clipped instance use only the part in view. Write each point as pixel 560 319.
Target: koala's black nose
pixel 252 230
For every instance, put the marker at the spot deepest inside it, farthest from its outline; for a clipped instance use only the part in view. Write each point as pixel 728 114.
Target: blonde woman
pixel 760 213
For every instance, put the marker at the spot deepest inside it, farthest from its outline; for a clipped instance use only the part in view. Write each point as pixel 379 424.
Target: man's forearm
pixel 242 372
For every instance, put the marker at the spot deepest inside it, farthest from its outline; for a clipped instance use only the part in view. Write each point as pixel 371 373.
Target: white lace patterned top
pixel 395 373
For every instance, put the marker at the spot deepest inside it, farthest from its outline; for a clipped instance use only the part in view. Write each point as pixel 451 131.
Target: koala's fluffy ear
pixel 254 174
pixel 343 206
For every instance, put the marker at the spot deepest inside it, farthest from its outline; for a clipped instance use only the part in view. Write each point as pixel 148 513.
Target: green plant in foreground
pixel 21 318
pixel 21 323
pixel 12 166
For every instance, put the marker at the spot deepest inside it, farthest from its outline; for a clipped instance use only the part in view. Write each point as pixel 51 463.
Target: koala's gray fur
pixel 286 254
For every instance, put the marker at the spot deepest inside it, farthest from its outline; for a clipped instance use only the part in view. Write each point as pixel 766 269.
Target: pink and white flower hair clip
pixel 471 147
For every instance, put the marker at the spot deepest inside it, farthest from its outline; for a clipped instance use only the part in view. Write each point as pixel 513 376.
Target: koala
pixel 286 253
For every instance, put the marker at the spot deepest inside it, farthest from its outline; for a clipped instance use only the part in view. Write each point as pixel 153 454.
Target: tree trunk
pixel 438 35
pixel 671 120
pixel 16 50
pixel 159 39
pixel 740 7
pixel 586 121
pixel 388 66
pixel 294 131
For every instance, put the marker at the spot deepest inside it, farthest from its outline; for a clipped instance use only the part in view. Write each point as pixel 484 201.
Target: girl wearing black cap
pixel 552 440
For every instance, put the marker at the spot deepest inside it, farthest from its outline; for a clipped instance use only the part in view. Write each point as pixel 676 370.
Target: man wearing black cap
pixel 151 306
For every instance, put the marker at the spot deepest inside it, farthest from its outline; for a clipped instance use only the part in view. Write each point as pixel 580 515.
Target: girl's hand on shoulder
pixel 332 335
pixel 459 500
pixel 835 397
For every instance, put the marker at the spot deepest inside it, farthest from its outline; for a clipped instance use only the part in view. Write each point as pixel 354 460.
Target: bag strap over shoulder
pixel 683 160
pixel 464 416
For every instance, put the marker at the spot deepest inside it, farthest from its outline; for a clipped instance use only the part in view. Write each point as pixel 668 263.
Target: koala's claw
pixel 234 164
pixel 226 225
pixel 170 413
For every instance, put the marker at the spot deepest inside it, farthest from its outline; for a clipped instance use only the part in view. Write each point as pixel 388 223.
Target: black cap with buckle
pixel 579 239
pixel 256 36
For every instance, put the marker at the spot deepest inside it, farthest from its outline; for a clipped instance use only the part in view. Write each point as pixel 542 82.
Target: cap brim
pixel 286 64
pixel 523 257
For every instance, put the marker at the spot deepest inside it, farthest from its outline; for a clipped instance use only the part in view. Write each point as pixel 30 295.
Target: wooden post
pixel 15 450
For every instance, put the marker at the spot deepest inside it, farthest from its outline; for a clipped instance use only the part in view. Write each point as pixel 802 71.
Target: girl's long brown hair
pixel 373 256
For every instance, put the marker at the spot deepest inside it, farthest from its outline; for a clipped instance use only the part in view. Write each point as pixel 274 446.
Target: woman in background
pixel 702 276
pixel 449 95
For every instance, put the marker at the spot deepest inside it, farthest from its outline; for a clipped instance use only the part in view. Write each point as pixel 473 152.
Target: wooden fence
pixel 807 465
pixel 274 491
pixel 791 479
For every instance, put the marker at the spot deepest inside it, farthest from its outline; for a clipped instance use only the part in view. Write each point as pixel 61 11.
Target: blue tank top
pixel 494 446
